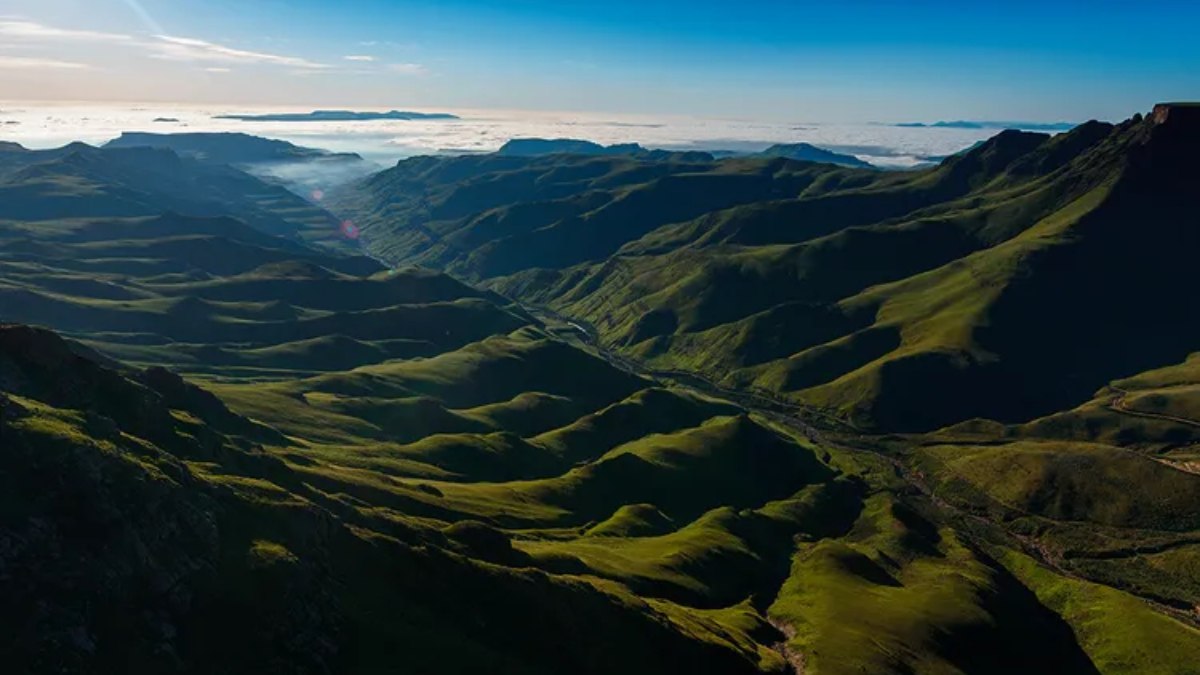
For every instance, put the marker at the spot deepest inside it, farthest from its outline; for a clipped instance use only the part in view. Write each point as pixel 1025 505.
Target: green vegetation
pixel 303 170
pixel 1118 632
pixel 235 451
pixel 243 561
pixel 978 280
pixel 80 181
pixel 899 594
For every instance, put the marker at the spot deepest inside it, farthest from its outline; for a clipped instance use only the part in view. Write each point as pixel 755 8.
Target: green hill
pixel 230 451
pixel 806 152
pixel 147 536
pixel 1010 281
pixel 82 182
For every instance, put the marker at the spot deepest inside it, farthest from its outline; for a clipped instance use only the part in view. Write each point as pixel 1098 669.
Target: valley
pixel 613 411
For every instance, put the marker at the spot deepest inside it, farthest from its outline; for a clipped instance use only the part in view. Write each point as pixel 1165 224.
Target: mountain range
pixel 226 148
pixel 804 152
pixel 966 124
pixel 636 412
pixel 298 168
pixel 850 286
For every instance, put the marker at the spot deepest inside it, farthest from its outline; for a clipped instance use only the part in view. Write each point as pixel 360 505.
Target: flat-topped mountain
pixel 226 148
pixel 339 116
pixel 537 147
pixel 533 147
pixel 991 124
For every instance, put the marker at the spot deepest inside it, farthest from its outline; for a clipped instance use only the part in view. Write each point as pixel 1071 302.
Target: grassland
pixel 362 469
pixel 836 288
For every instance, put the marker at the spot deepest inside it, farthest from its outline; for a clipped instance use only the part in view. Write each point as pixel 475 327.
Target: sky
pixel 852 61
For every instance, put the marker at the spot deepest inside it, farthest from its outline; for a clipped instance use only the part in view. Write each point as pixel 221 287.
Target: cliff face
pixel 1177 113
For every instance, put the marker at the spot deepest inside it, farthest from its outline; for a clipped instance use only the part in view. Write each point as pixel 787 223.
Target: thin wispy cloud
pixel 315 72
pixel 31 31
pixel 177 48
pixel 387 43
pixel 408 68
pixel 30 63
pixel 29 40
pixel 161 46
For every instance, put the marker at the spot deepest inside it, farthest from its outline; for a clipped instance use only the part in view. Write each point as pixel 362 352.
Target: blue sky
pixel 816 61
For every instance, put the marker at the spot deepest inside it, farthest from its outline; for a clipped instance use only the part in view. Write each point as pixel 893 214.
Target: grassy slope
pixel 257 568
pixel 807 291
pixel 898 594
pixel 1119 633
pixel 455 457
pixel 908 303
pixel 367 447
pixel 80 181
pixel 842 288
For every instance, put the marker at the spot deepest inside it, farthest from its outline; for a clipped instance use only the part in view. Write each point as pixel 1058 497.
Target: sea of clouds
pixel 386 141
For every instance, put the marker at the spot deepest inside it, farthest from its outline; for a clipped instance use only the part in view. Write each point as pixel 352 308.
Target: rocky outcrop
pixel 1177 113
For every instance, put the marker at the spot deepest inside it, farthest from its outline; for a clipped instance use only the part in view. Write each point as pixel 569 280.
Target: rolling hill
pixel 367 420
pixel 1011 281
pixel 79 181
pixel 636 430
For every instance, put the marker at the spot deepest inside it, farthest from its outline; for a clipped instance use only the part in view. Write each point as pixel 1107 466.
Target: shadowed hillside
pixel 80 181
pixel 154 535
pixel 1011 281
pixel 303 170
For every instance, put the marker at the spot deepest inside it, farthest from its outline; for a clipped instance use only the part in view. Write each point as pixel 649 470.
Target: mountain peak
pixel 991 158
pixel 806 152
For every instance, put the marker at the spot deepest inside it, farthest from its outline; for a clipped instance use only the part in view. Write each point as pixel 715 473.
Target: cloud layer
pixel 485 131
pixel 36 32
pixel 33 63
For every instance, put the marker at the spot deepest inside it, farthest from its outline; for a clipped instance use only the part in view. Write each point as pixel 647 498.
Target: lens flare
pixel 317 195
pixel 349 229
